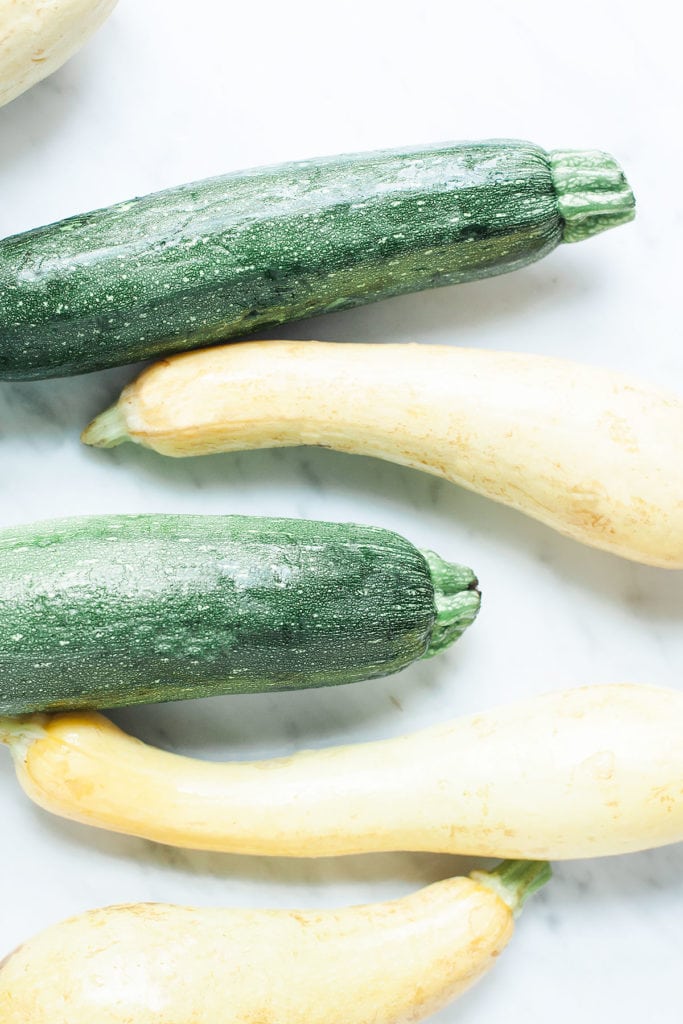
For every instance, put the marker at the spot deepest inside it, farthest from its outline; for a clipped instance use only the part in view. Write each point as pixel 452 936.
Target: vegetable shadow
pixel 166 865
pixel 201 870
pixel 463 309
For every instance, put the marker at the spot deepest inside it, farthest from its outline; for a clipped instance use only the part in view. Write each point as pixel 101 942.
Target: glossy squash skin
pixel 115 610
pixel 221 258
pixel 384 963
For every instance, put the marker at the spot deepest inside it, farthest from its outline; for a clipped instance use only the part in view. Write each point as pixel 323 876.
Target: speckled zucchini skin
pixel 115 610
pixel 221 258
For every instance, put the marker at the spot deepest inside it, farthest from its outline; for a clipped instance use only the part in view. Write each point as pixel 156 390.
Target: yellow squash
pixel 38 36
pixel 387 963
pixel 579 773
pixel 593 454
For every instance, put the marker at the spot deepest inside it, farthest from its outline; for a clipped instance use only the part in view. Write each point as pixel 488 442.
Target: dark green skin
pixel 221 258
pixel 116 610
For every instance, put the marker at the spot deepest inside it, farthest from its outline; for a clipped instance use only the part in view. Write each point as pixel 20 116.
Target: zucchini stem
pixel 515 880
pixel 456 598
pixel 592 193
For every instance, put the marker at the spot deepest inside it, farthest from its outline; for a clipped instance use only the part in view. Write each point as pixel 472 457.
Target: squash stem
pixel 107 430
pixel 515 880
pixel 456 599
pixel 18 733
pixel 592 193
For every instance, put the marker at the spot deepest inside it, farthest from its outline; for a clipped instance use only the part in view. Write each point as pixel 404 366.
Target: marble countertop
pixel 167 93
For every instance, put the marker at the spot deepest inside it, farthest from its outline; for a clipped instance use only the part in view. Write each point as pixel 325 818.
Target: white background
pixel 172 91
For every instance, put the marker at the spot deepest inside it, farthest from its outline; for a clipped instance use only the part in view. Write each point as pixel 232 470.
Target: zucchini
pixel 114 610
pixel 221 258
pixel 383 963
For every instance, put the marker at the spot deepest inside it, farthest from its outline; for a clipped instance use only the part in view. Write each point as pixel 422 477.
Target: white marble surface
pixel 169 92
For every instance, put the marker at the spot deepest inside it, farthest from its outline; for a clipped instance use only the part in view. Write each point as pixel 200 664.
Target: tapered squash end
pixel 456 598
pixel 592 192
pixel 107 430
pixel 18 732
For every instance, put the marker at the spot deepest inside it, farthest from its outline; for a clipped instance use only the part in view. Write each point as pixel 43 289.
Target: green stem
pixel 592 192
pixel 515 880
pixel 456 599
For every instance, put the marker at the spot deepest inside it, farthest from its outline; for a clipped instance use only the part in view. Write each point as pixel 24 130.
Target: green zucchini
pixel 221 258
pixel 106 611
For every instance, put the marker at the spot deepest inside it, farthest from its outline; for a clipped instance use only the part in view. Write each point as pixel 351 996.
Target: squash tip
pixel 107 430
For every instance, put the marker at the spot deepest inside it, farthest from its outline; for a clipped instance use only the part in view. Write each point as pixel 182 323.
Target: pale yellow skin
pixel 388 963
pixel 38 36
pixel 579 773
pixel 591 453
